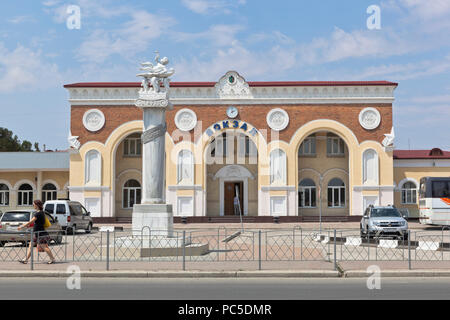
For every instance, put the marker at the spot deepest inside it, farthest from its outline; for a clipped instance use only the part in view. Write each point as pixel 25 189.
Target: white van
pixel 71 215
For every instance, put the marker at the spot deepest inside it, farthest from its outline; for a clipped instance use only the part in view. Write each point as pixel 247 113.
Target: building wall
pixel 414 174
pixel 14 179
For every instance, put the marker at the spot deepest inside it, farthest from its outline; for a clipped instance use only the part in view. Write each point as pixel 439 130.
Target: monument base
pixel 154 219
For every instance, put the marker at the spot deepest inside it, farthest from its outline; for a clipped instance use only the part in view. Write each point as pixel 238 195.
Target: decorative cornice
pixel 256 95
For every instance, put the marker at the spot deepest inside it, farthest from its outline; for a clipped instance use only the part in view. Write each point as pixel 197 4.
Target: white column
pixel 153 167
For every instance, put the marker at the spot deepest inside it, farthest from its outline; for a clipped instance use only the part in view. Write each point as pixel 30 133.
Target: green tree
pixel 10 142
pixel 36 147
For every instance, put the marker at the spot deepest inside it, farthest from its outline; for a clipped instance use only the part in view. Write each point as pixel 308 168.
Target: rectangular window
pixel 4 198
pixel 61 209
pixel 409 196
pixel 307 197
pixel 335 146
pixel 440 189
pixel 132 147
pixel 25 198
pixel 49 208
pixel 308 147
pixel 336 197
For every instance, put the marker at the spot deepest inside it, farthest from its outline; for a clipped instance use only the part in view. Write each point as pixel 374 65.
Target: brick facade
pixel 347 114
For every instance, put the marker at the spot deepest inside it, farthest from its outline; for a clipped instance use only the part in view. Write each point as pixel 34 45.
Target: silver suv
pixel 379 221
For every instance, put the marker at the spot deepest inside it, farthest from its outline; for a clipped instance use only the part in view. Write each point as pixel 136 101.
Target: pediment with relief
pixel 233 86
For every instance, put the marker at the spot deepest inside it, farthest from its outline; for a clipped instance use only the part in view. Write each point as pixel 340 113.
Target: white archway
pixel 233 173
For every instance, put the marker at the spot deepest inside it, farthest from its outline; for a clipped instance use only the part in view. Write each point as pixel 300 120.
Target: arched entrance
pixel 325 163
pixel 127 174
pixel 231 164
pixel 323 166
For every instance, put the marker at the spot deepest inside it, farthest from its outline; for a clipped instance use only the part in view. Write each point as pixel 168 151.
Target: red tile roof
pixel 435 153
pixel 250 83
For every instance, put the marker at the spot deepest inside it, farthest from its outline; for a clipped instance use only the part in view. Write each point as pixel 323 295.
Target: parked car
pixel 383 221
pixel 71 215
pixel 11 220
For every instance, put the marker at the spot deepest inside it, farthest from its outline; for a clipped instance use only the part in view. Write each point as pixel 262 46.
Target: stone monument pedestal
pixel 154 219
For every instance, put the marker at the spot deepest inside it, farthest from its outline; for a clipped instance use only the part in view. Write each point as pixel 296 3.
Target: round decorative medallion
pixel 185 119
pixel 231 79
pixel 93 120
pixel 369 118
pixel 277 119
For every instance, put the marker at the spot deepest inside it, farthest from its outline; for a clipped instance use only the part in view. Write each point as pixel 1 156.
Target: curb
pixel 399 273
pixel 174 274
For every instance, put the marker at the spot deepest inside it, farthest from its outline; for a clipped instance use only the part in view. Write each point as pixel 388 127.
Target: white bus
pixel 434 201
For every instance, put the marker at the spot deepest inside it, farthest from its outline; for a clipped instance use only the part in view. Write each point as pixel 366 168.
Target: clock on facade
pixel 232 112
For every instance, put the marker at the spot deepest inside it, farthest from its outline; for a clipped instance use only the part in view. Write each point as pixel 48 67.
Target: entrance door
pixel 230 194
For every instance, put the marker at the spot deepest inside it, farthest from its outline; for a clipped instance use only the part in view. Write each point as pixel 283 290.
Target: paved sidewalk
pixel 280 269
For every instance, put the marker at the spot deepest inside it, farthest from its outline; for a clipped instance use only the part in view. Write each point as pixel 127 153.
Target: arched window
pixel 93 167
pixel 370 167
pixel 132 145
pixel 49 192
pixel 131 194
pixel 4 195
pixel 185 167
pixel 25 195
pixel 409 193
pixel 336 193
pixel 278 166
pixel 307 194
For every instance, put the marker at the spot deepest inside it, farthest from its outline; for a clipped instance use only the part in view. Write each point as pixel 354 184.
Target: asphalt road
pixel 224 289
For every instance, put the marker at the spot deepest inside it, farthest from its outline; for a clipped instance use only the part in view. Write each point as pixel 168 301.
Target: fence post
pixel 301 244
pixel 101 244
pixel 293 244
pixel 107 250
pixel 442 243
pixel 259 242
pixel 218 244
pixel 184 250
pixel 31 248
pixel 409 249
pixel 335 253
pixel 65 246
pixel 73 244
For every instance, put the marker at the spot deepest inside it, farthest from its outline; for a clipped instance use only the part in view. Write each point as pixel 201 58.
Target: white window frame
pixel 128 190
pixel 411 191
pixel 302 190
pixel 342 202
pixel 30 195
pixel 310 142
pixel 340 145
pixel 3 195
pixel 46 192
pixel 127 147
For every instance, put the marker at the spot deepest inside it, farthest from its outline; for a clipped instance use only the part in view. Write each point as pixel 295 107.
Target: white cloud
pixel 211 6
pixel 132 37
pixel 251 64
pixel 21 19
pixel 23 69
pixel 216 35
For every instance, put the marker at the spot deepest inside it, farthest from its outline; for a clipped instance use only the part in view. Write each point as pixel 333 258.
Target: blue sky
pixel 262 40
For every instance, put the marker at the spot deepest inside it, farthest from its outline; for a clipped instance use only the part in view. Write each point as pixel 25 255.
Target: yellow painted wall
pixel 416 174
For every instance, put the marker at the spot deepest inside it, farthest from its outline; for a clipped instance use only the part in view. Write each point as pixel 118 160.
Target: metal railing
pixel 228 245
